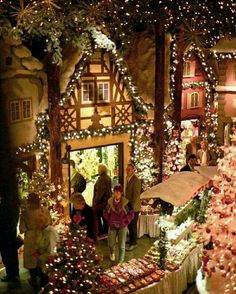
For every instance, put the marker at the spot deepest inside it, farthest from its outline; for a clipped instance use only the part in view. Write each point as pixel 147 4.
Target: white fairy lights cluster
pixel 41 142
pixel 86 133
pixel 142 142
pixel 223 55
pixel 173 65
pixel 210 98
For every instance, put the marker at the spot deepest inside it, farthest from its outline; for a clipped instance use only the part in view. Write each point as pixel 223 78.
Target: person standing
pixel 8 246
pixel 191 148
pixel 78 182
pixel 192 162
pixel 33 223
pixel 118 214
pixel 205 156
pixel 82 216
pixel 102 192
pixel 132 193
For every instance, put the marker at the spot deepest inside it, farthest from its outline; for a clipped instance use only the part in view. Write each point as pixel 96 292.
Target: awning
pixel 179 188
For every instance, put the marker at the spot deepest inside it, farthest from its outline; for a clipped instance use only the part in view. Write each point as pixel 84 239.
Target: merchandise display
pixel 218 274
pixel 130 276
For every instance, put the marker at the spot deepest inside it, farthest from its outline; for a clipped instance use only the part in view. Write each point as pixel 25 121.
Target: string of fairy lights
pixel 41 142
pixel 103 41
pixel 210 97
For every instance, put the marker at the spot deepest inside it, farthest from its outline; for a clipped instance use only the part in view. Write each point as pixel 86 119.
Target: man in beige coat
pixel 132 193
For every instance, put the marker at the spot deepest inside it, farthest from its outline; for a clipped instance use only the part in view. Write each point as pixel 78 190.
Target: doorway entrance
pixel 87 161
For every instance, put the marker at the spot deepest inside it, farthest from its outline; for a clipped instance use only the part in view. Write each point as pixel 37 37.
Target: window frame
pixel 185 72
pixel 20 102
pixel 87 83
pixel 191 96
pixel 103 90
pixel 22 111
pixel 15 101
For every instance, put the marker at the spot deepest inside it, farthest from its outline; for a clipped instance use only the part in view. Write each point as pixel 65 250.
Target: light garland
pixel 102 41
pixel 211 97
pixel 41 142
pixel 221 55
pixel 86 133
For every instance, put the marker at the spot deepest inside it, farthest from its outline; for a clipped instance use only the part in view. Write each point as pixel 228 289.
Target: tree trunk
pixel 159 96
pixel 54 122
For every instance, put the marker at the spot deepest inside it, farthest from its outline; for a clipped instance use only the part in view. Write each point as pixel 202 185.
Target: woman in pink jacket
pixel 118 214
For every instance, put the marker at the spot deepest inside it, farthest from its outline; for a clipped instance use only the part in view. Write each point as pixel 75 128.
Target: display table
pixel 176 282
pixel 146 225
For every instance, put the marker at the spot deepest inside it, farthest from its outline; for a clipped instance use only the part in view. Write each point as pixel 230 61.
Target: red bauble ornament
pixel 233 251
pixel 208 230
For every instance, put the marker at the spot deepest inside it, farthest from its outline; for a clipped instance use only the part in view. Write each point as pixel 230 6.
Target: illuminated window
pixel 187 68
pixel 87 92
pixel 193 100
pixel 103 92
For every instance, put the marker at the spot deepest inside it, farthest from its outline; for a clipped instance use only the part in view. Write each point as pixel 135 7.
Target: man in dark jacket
pixel 82 215
pixel 102 192
pixel 9 215
pixel 192 162
pixel 78 182
pixel 132 193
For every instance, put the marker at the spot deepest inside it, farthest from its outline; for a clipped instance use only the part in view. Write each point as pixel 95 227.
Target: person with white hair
pixel 102 192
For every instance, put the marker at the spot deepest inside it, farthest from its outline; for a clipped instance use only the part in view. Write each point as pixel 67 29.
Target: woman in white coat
pixel 33 222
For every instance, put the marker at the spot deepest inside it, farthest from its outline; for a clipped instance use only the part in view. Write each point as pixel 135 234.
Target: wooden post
pixel 54 122
pixel 178 87
pixel 181 47
pixel 159 95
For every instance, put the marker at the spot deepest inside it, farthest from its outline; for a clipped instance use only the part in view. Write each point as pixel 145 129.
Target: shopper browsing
pixel 118 214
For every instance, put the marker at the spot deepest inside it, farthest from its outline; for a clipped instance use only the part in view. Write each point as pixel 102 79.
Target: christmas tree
pixel 74 268
pixel 54 197
pixel 219 261
pixel 173 157
pixel 143 157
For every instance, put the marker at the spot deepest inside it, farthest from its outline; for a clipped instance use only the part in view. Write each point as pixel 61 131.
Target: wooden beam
pixel 159 96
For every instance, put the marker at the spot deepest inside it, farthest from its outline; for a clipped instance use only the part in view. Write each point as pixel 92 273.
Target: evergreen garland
pixel 201 218
pixel 190 211
pixel 162 247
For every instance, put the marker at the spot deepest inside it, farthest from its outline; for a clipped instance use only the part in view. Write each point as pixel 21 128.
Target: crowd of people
pixel 114 215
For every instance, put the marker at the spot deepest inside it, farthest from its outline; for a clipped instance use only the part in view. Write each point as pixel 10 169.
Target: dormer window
pixel 189 69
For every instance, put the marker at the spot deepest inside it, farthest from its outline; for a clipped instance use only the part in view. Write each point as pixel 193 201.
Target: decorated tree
pixel 173 157
pixel 142 155
pixel 74 268
pixel 219 262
